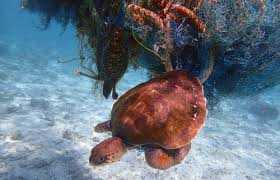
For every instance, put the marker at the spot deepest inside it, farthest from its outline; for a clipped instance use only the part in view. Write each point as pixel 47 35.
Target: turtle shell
pixel 167 111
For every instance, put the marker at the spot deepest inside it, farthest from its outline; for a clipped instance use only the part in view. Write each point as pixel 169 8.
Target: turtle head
pixel 108 151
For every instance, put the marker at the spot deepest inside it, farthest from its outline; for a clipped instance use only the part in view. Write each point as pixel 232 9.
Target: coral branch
pixel 133 9
pixel 192 17
pixel 138 18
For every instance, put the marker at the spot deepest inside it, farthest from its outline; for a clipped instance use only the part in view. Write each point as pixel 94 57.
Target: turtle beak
pixel 97 159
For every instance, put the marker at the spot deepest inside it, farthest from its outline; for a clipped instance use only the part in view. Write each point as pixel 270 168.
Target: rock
pixel 71 135
pixel 13 109
pixel 263 111
pixel 39 103
pixel 16 136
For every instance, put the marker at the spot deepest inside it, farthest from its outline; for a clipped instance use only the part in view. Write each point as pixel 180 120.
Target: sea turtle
pixel 161 116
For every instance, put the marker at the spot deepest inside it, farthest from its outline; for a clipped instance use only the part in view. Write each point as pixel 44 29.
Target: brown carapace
pixel 162 115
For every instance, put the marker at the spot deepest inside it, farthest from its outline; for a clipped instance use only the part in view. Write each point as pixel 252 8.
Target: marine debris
pixel 245 34
pixel 95 22
pixel 162 20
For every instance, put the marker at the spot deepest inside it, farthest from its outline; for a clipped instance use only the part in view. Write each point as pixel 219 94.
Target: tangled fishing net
pixel 242 37
pixel 245 34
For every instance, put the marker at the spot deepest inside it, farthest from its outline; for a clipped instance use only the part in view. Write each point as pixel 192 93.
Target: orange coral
pixel 192 17
pixel 161 20
pixel 134 9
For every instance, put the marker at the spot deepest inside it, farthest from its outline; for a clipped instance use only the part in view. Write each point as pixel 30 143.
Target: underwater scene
pixel 139 89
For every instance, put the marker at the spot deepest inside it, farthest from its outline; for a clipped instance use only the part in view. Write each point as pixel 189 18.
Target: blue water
pixel 48 115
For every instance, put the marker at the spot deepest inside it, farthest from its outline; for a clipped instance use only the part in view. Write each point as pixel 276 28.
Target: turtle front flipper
pixel 163 159
pixel 103 127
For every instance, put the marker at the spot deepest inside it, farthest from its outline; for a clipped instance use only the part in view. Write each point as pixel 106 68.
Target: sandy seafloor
pixel 48 115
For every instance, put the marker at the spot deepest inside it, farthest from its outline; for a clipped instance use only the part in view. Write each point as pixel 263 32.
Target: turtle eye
pixel 101 159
